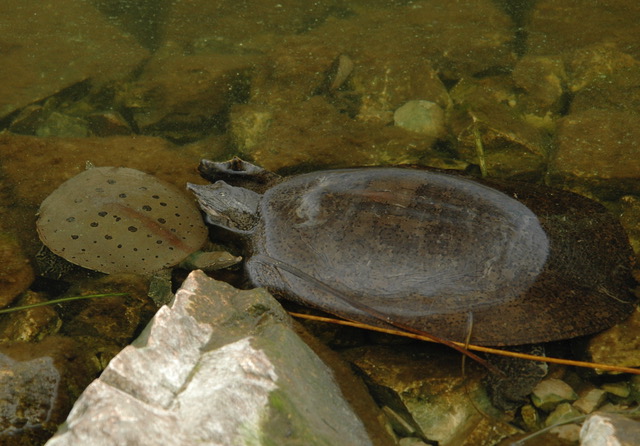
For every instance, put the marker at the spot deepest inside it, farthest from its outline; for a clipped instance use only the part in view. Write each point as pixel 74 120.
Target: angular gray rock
pixel 218 366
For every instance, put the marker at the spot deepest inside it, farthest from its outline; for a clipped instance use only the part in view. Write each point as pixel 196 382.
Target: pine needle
pixel 493 351
pixel 59 301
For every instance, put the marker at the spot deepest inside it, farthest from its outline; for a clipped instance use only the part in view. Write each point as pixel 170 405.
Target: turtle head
pixel 237 172
pixel 228 207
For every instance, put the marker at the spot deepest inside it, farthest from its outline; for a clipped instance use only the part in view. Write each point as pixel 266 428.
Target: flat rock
pixel 603 77
pixel 38 382
pixel 217 366
pixel 43 51
pixel 16 273
pixel 563 413
pixel 187 92
pixel 562 27
pixel 590 400
pixel 618 345
pixel 551 392
pixel 219 25
pixel 426 390
pixel 34 172
pixel 332 137
pixel 543 79
pixel 30 325
pixel 599 147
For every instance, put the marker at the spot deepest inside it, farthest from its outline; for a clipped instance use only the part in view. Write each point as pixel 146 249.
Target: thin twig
pixel 494 351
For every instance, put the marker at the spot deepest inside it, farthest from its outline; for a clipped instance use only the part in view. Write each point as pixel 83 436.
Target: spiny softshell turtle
pixel 116 219
pixel 440 253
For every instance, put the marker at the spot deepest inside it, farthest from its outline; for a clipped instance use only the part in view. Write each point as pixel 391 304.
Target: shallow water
pixel 524 92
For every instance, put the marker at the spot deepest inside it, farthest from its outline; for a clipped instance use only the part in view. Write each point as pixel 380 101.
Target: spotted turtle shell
pixel 444 254
pixel 117 220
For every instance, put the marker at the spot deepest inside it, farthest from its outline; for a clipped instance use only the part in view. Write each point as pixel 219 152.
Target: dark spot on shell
pixel 162 221
pixel 75 237
pixel 146 208
pixel 108 237
pixel 102 214
pixel 122 195
pixel 162 203
pixel 132 229
pixel 111 181
pixel 155 196
pixel 94 224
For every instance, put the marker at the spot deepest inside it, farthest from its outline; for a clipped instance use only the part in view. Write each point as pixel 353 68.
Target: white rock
pixel 219 366
pixel 605 429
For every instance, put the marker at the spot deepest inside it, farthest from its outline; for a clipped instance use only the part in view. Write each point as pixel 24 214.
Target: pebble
pixel 590 400
pixel 530 417
pixel 551 392
pixel 419 116
pixel 620 389
pixel 563 413
pixel 567 432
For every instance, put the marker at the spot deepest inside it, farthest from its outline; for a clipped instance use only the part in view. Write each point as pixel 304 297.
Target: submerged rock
pixel 38 383
pixel 424 117
pixel 16 273
pixel 599 148
pixel 44 52
pixel 551 392
pixel 426 391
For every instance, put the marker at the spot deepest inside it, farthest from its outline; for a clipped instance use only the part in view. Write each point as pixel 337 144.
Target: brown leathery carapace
pixel 511 263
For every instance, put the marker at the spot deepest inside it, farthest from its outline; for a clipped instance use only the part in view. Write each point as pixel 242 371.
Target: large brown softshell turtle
pixel 440 253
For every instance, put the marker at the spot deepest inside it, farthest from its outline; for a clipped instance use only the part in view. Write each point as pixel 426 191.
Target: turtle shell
pixel 443 254
pixel 116 219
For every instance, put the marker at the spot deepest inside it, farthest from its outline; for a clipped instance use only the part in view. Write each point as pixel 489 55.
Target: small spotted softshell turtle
pixel 438 252
pixel 116 219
